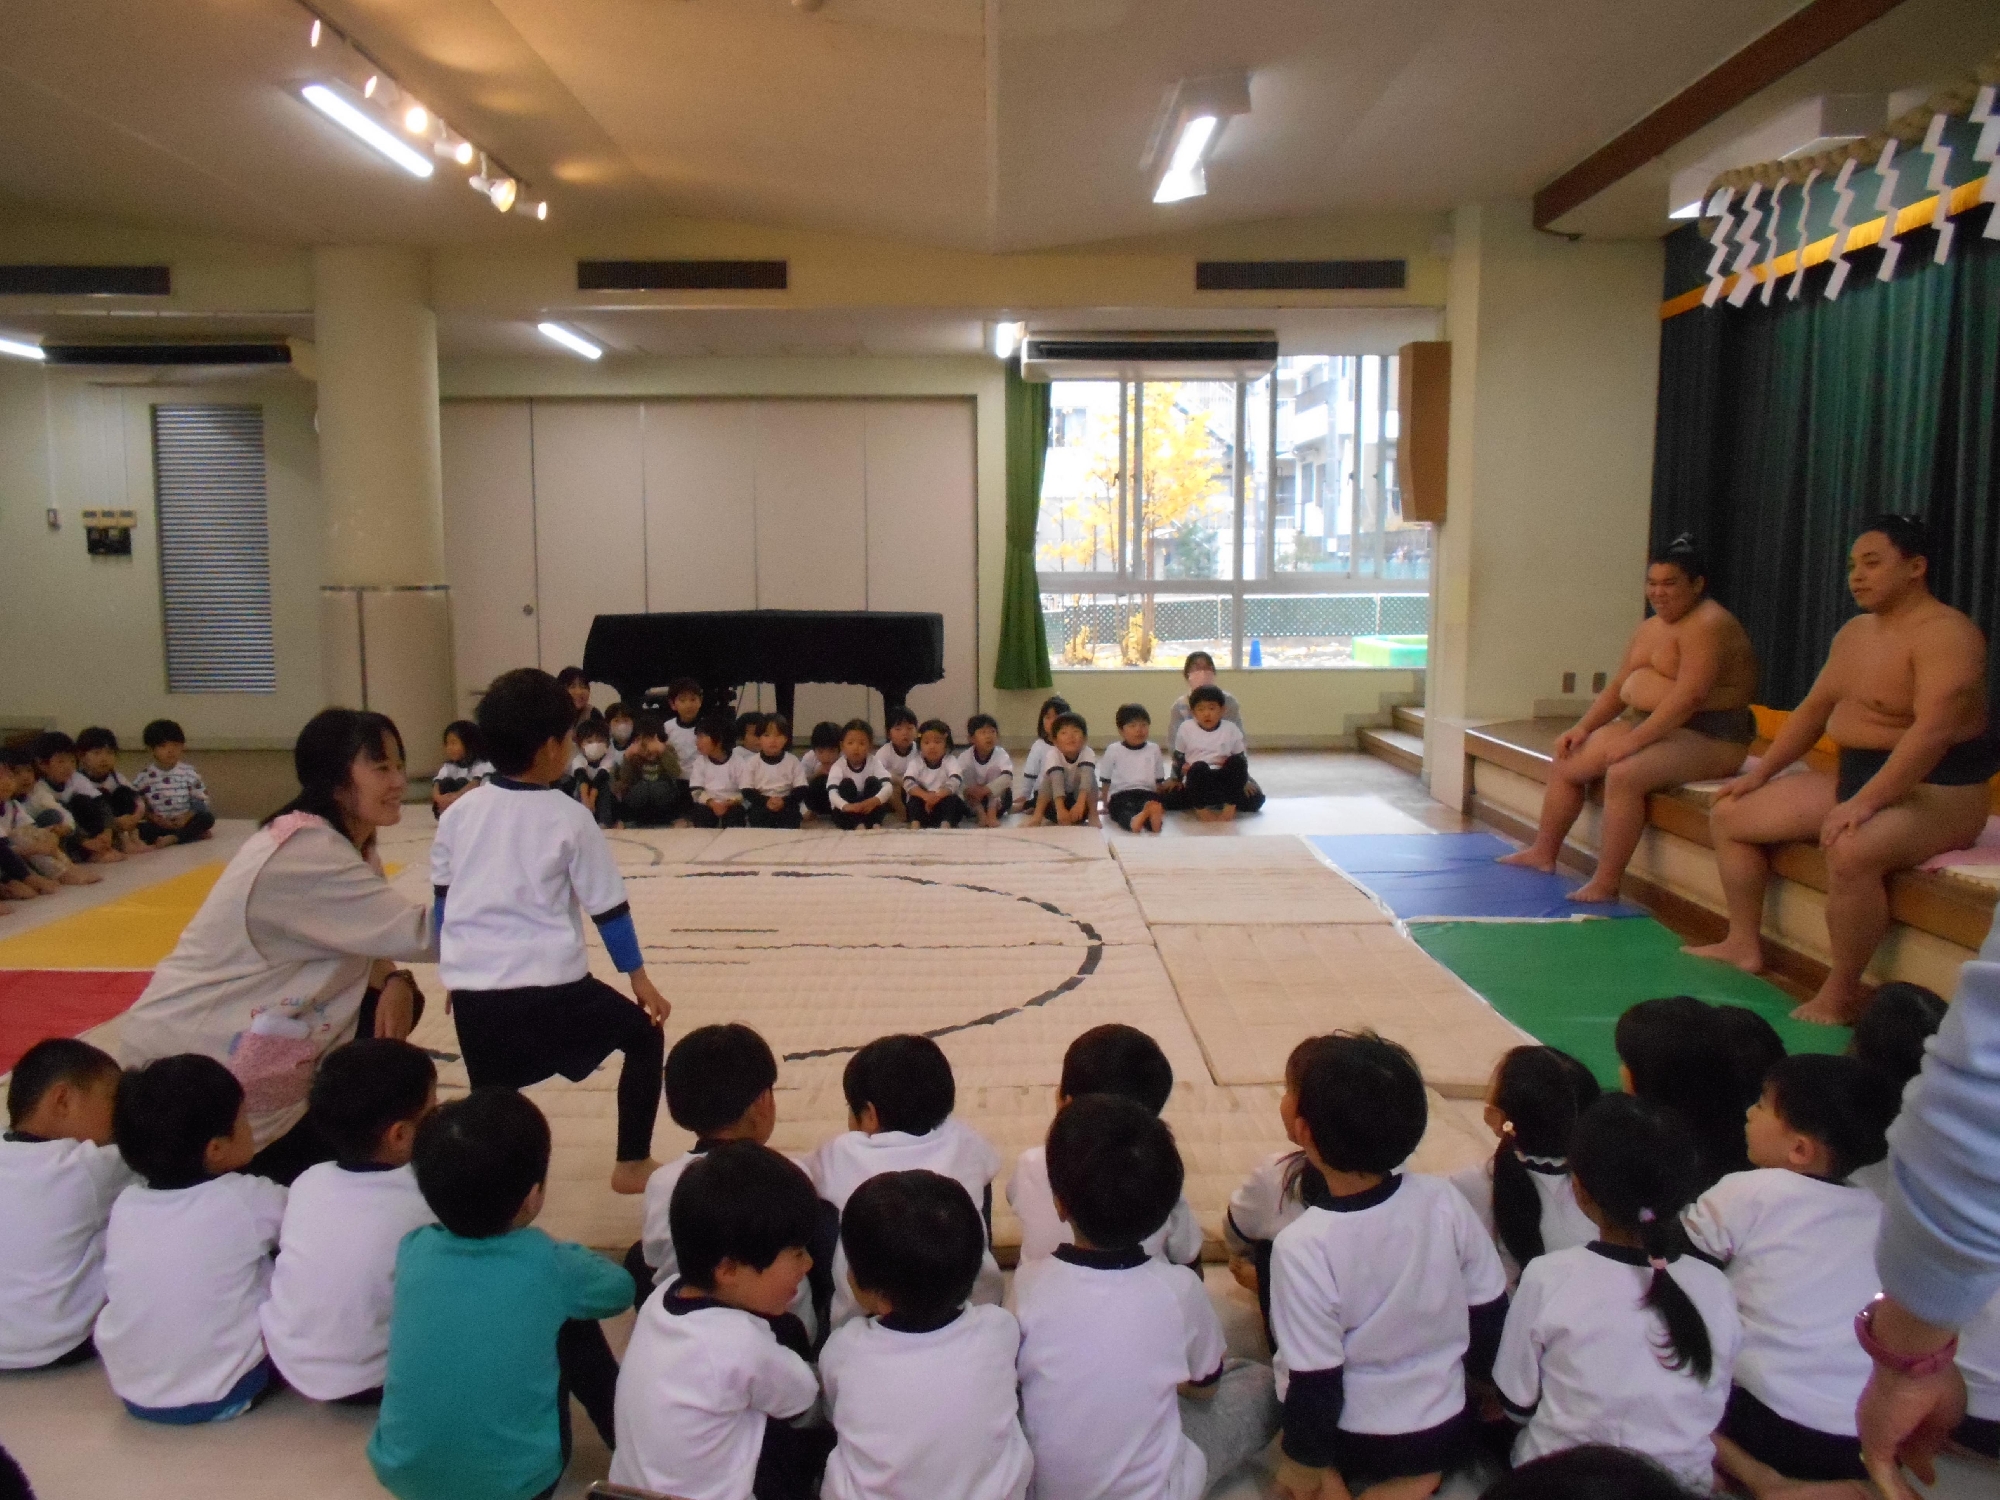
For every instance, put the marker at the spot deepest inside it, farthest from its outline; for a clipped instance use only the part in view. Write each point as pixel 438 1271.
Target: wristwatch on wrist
pixel 1910 1366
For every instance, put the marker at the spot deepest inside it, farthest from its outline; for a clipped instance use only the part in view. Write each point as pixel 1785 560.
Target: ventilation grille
pixel 167 354
pixel 1299 275
pixel 86 281
pixel 215 548
pixel 682 275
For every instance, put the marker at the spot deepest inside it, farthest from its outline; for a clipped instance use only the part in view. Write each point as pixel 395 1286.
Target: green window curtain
pixel 1024 645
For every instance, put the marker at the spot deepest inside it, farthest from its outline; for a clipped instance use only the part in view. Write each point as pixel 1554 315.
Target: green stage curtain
pixel 1780 428
pixel 1024 644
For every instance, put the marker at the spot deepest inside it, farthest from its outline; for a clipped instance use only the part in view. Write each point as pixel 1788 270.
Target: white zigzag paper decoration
pixel 1720 239
pixel 1987 150
pixel 1746 236
pixel 1940 155
pixel 1805 229
pixel 1843 201
pixel 1885 203
pixel 1771 257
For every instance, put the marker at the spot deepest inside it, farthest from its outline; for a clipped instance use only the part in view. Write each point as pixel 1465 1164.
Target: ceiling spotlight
pixel 462 153
pixel 532 208
pixel 575 343
pixel 374 82
pixel 1007 338
pixel 416 119
pixel 360 124
pixel 19 350
pixel 1190 122
pixel 502 192
pixel 312 37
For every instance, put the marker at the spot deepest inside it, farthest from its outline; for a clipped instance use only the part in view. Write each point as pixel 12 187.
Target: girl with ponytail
pixel 1631 1339
pixel 1523 1194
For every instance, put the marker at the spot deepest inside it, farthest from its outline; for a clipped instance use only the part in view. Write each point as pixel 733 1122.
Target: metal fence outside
pixel 1266 617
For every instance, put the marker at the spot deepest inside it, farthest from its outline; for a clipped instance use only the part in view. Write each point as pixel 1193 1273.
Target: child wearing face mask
pixel 622 721
pixel 591 769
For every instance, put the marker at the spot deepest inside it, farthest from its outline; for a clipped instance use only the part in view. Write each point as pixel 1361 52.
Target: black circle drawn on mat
pixel 1093 952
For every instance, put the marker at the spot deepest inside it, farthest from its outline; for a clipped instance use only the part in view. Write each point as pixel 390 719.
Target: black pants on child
pixel 949 812
pixel 757 809
pixel 92 815
pixel 791 1462
pixel 1794 1450
pixel 1216 786
pixel 840 818
pixel 1123 807
pixel 701 815
pixel 814 793
pixel 649 804
pixel 200 820
pixel 12 867
pixel 516 1038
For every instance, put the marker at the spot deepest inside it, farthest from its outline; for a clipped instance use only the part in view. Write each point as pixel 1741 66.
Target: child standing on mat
pixel 986 772
pixel 715 777
pixel 1215 757
pixel 1132 771
pixel 1066 789
pixel 931 781
pixel 857 788
pixel 516 865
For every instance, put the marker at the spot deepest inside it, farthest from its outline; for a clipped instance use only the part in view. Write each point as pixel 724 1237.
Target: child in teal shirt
pixel 494 1324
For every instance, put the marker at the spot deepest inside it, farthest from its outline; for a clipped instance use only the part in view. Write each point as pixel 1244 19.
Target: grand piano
pixel 723 649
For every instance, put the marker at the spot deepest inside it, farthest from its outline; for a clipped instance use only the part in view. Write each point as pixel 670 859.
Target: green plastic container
pixel 1391 650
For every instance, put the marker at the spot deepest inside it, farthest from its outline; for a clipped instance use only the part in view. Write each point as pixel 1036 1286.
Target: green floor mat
pixel 1566 983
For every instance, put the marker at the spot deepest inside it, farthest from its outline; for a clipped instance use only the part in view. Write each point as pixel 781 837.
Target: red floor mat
pixel 35 1003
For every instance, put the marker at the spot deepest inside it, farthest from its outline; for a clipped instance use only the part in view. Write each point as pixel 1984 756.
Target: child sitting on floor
pixel 622 722
pixel 1671 1051
pixel 1798 1242
pixel 900 1095
pixel 59 1173
pixel 1108 1059
pixel 176 796
pixel 37 842
pixel 588 775
pixel 1066 789
pixel 774 783
pixel 464 767
pixel 1523 1193
pixel 649 788
pixel 510 866
pixel 1628 1339
pixel 1125 1387
pixel 715 779
pixel 326 1324
pixel 922 1392
pixel 1052 708
pixel 1215 761
pixel 1275 1193
pixel 187 1257
pixel 931 780
pixel 481 1279
pixel 1198 670
pixel 684 697
pixel 97 763
pixel 1132 771
pixel 816 765
pixel 61 790
pixel 898 751
pixel 1384 1302
pixel 708 1391
pixel 986 772
pixel 857 788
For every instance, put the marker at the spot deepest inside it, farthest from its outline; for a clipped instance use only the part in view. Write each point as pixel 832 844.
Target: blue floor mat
pixel 1433 875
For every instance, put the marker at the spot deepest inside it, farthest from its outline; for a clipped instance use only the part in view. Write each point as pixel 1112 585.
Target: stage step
pixel 1398 747
pixel 1409 720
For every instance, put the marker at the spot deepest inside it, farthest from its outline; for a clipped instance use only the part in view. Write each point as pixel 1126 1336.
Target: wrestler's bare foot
pixel 1836 1004
pixel 630 1176
pixel 1749 957
pixel 1594 891
pixel 1529 859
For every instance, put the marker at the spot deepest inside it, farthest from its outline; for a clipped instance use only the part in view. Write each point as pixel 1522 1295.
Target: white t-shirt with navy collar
pixel 656 1234
pixel 1582 1352
pixel 55 1201
pixel 772 778
pixel 711 781
pixel 925 777
pixel 521 866
pixel 847 784
pixel 1800 1253
pixel 681 737
pixel 1273 1195
pixel 326 1324
pixel 1563 1223
pixel 1107 1338
pixel 1121 768
pixel 1380 1287
pixel 894 763
pixel 922 1415
pixel 1178 1240
pixel 1193 743
pixel 697 1386
pixel 972 771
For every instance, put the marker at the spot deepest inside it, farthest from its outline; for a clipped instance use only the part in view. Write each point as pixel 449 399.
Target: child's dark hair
pixel 1132 713
pixel 97 737
pixel 1069 721
pixel 1044 728
pixel 858 726
pixel 1542 1092
pixel 1593 1471
pixel 1117 1059
pixel 981 721
pixel 162 732
pixel 54 1060
pixel 363 1088
pixel 649 726
pixel 935 726
pixel 1208 692
pixel 826 735
pixel 323 758
pixel 750 723
pixel 1674 1048
pixel 167 1113
pixel 520 712
pixel 743 1202
pixel 1363 1100
pixel 592 727
pixel 1841 1102
pixel 717 729
pixel 1197 659
pixel 478 1158
pixel 680 687
pixel 916 1238
pixel 908 1080
pixel 1638 1162
pixel 49 744
pixel 14 757
pixel 715 1073
pixel 1754 1049
pixel 902 713
pixel 780 723
pixel 1891 1033
pixel 569 676
pixel 470 740
pixel 619 710
pixel 1114 1168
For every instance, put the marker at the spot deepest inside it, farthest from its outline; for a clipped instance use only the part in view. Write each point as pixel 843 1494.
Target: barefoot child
pixel 986 772
pixel 1216 757
pixel 1132 771
pixel 1067 786
pixel 931 781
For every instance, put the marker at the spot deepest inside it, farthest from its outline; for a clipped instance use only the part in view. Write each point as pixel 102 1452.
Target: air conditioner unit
pixel 1200 354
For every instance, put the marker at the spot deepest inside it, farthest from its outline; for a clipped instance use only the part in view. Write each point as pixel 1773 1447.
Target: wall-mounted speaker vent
pixel 167 354
pixel 681 275
pixel 1299 275
pixel 86 281
pixel 1149 355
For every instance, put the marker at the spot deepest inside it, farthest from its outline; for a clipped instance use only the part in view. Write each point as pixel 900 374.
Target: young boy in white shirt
pixel 1066 788
pixel 1385 1302
pixel 922 1391
pixel 61 787
pixel 1216 758
pixel 326 1323
pixel 1798 1241
pixel 986 772
pixel 59 1173
pixel 858 790
pixel 931 781
pixel 899 750
pixel 97 763
pixel 715 778
pixel 1125 1389
pixel 187 1257
pixel 1132 771
pixel 900 1096
pixel 588 775
pixel 36 842
pixel 1109 1059
pixel 817 764
pixel 516 865
pixel 707 1391
pixel 684 697
pixel 176 797
pixel 774 782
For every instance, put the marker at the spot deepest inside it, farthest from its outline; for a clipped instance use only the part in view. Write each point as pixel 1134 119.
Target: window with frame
pixel 1260 521
pixel 215 549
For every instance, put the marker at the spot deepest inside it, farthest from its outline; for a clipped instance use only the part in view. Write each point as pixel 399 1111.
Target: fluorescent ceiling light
pixel 20 350
pixel 312 36
pixel 1184 177
pixel 362 126
pixel 575 343
pixel 1007 338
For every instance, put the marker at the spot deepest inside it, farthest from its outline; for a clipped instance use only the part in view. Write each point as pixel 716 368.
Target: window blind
pixel 215 548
